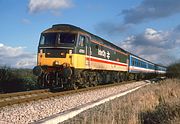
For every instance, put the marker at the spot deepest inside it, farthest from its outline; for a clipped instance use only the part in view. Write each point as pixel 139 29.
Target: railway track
pixel 20 97
pixel 28 96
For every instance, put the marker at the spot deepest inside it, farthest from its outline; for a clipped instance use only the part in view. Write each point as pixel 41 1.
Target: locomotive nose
pixel 37 70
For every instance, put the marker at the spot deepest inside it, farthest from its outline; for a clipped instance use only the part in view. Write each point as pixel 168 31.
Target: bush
pixel 173 71
pixel 14 80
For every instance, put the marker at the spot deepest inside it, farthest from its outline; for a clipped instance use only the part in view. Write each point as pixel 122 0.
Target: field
pixel 157 103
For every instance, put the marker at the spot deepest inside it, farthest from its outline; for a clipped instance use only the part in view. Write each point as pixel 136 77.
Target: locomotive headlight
pixel 56 63
pixel 70 51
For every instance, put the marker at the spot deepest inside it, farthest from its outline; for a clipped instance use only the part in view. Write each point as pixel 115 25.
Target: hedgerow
pixel 173 71
pixel 14 80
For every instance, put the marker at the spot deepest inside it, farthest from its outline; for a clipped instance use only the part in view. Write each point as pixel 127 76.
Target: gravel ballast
pixel 36 110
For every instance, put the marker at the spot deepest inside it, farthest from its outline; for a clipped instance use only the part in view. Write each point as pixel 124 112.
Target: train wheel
pixel 75 86
pixel 93 79
pixel 84 78
pixel 122 77
pixel 40 82
pixel 118 78
pixel 99 78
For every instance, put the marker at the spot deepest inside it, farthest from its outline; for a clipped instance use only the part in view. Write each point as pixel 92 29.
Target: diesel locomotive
pixel 70 57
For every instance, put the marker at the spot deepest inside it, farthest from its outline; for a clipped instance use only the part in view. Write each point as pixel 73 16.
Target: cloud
pixel 177 29
pixel 16 57
pixel 147 10
pixel 157 46
pixel 151 37
pixel 150 10
pixel 26 21
pixel 53 5
pixel 111 28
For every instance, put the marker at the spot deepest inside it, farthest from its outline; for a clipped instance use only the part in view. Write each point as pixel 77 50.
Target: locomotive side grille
pixel 55 53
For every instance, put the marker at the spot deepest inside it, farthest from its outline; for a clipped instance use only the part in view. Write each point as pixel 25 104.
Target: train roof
pixel 74 28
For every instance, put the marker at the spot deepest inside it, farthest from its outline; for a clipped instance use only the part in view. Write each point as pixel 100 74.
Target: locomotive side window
pixel 96 46
pixel 81 41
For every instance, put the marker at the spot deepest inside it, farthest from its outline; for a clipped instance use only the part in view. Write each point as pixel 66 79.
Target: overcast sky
pixel 147 28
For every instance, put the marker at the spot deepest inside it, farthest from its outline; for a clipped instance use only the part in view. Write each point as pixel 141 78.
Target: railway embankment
pixel 158 103
pixel 36 110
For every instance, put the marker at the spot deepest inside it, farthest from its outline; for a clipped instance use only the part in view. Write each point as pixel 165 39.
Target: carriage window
pixel 133 62
pixel 81 41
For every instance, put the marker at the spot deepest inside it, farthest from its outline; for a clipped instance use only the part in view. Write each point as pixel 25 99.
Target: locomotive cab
pixel 54 48
pixel 61 49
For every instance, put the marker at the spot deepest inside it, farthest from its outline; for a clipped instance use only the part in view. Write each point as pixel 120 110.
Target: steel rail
pixel 28 96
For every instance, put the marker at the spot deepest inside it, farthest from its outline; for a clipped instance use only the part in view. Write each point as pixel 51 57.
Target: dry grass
pixel 154 104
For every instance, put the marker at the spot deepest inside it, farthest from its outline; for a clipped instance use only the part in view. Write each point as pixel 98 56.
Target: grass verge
pixel 154 104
